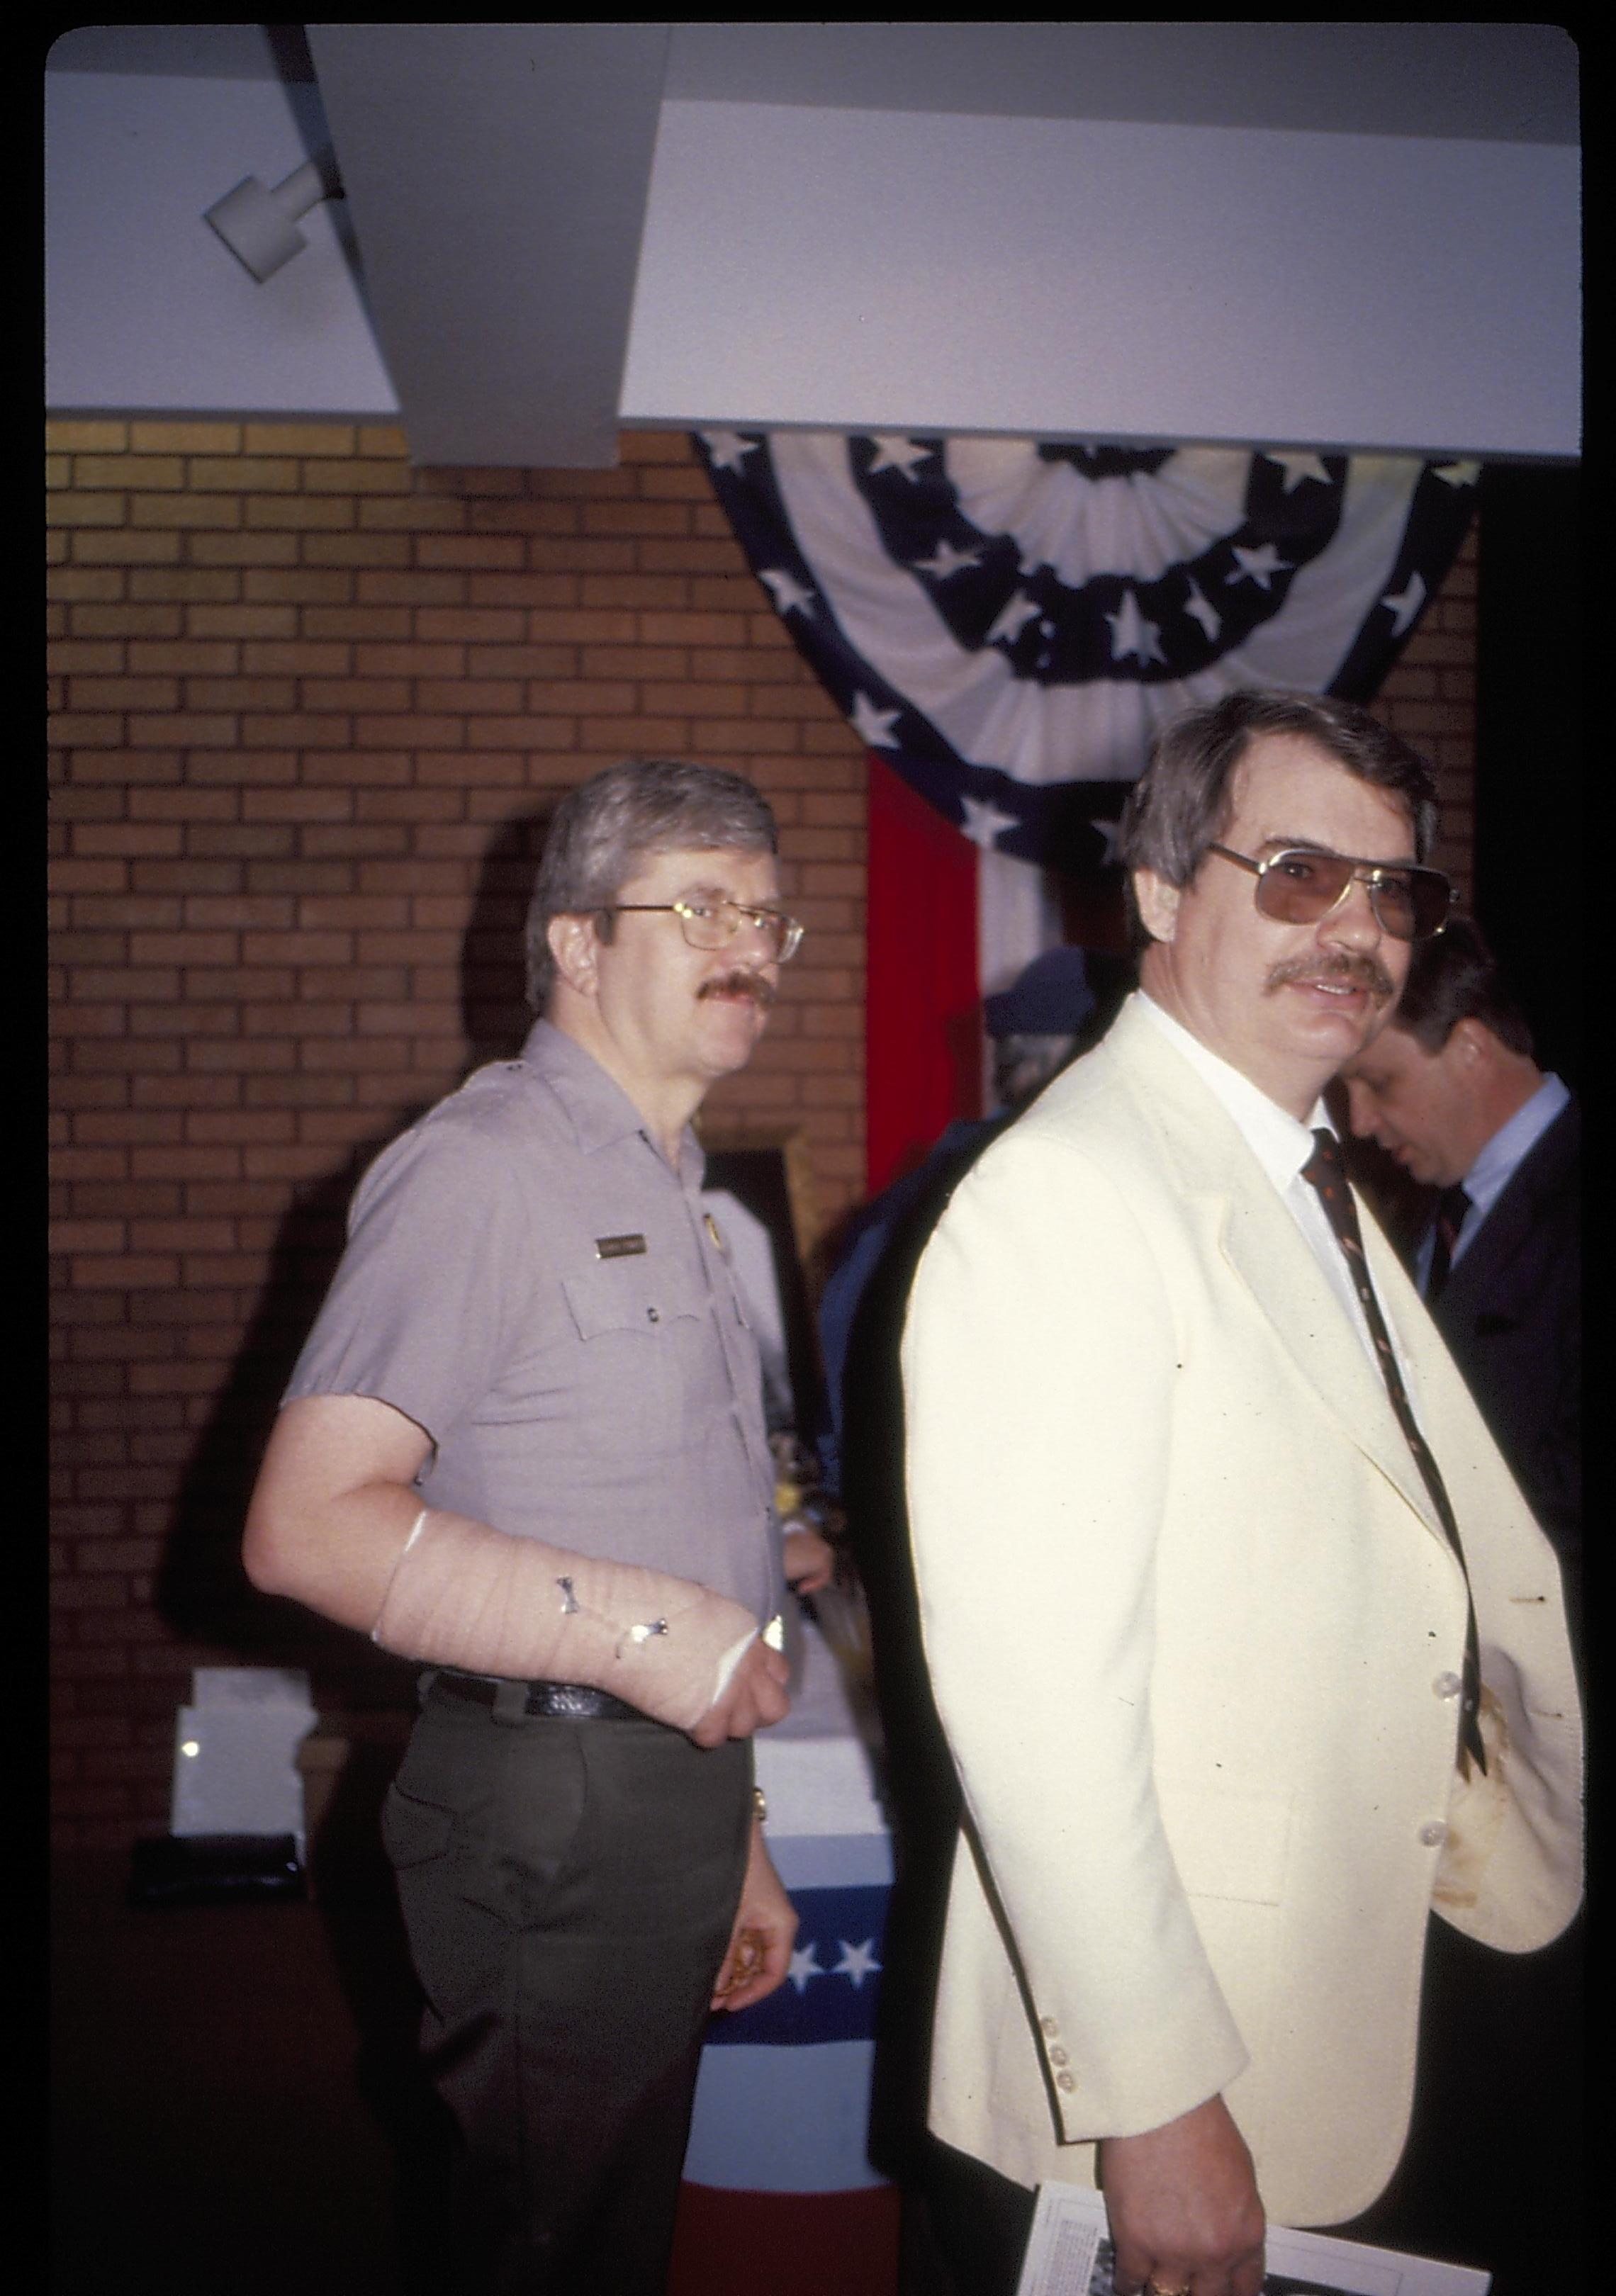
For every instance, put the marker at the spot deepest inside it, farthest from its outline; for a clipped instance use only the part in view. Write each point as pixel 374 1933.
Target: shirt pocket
pixel 641 1328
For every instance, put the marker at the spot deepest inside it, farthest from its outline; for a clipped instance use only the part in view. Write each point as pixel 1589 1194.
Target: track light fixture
pixel 259 226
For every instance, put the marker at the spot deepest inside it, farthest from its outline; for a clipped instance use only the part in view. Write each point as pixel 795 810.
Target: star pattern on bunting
pixel 1018 612
pixel 805 1964
pixel 857 1961
pixel 946 560
pixel 1011 642
pixel 1131 634
pixel 1259 565
pixel 1405 606
pixel 984 824
pixel 728 448
pixel 899 454
pixel 1201 610
pixel 789 595
pixel 873 726
pixel 1298 468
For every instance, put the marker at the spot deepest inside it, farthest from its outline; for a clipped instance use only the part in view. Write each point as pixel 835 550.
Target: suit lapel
pixel 1540 1172
pixel 1245 1223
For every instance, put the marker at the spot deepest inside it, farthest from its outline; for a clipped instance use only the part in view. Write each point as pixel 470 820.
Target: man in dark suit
pixel 1453 1092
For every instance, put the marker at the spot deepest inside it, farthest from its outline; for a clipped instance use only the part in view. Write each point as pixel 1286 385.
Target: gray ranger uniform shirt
pixel 528 1279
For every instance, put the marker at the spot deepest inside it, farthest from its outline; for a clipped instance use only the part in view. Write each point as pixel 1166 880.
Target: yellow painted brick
pixel 184 583
pixel 299 437
pixel 382 439
pixel 299 659
pixel 101 584
pixel 655 446
pixel 143 472
pixel 238 621
pixel 625 737
pixel 69 436
pixel 302 586
pixel 468 479
pixel 93 547
pixel 412 513
pixel 186 437
pixel 88 657
pixel 524 516
pixel 125 693
pixel 487 554
pixel 325 476
pixel 358 550
pixel 228 546
pixel 76 509
pixel 299 511
pixel 265 473
pixel 662 485
pixel 581 486
pixel 661 520
pixel 187 513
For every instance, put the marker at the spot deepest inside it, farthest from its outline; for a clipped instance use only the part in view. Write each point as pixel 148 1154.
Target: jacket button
pixel 1447 1686
pixel 1059 2057
pixel 1065 2081
pixel 1434 1833
pixel 1048 2025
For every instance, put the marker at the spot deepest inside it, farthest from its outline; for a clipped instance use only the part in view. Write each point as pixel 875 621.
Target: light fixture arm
pixel 259 226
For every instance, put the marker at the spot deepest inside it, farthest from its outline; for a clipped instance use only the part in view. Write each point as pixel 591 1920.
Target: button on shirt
pixel 530 1280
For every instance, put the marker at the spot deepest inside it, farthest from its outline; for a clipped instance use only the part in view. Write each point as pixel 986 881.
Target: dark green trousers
pixel 569 1889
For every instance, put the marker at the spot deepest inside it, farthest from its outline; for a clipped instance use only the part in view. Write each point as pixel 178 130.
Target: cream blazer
pixel 1195 1636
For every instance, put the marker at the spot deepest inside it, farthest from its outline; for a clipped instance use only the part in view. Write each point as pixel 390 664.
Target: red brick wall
pixel 310 706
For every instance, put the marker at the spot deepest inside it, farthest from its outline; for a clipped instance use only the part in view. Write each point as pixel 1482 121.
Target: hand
pixel 753 1697
pixel 1184 2206
pixel 759 1954
pixel 810 1561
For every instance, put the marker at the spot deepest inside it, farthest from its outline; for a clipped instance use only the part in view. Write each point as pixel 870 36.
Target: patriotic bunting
pixel 1007 622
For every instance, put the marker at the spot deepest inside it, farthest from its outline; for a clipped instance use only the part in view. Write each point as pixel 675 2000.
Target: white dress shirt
pixel 1281 1146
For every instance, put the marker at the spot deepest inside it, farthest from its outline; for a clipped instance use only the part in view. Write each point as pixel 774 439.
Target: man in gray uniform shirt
pixel 525 1444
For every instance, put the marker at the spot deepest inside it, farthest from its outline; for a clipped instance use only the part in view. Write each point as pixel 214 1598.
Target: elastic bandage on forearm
pixel 464 1595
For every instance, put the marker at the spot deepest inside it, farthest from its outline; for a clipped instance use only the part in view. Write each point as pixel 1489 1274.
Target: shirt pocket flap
pixel 1228 1845
pixel 624 1295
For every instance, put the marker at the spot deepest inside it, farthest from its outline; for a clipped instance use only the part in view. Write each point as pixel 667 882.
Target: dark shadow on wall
pixel 202 1591
pixel 368 1697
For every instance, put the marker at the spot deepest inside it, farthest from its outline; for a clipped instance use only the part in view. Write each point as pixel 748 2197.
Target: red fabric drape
pixel 923 1040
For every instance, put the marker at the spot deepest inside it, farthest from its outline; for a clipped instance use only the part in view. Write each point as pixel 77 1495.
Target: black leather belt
pixel 568 1701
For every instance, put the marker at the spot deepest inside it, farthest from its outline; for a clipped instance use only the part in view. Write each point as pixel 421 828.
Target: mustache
pixel 739 983
pixel 1360 972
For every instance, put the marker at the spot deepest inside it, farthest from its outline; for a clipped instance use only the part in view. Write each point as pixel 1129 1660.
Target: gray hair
pixel 1182 802
pixel 608 825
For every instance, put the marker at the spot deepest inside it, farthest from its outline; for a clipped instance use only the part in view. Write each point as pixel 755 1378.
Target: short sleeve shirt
pixel 530 1280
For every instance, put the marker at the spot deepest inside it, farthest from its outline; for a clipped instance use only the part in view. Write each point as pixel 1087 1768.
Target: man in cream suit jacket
pixel 1198 1636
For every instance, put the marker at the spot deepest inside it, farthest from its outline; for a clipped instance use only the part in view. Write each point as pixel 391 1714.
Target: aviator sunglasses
pixel 1299 885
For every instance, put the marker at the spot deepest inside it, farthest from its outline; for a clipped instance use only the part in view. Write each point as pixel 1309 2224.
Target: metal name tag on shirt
pixel 617 1247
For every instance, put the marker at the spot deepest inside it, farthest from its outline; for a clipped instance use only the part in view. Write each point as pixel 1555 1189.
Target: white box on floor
pixel 235 1753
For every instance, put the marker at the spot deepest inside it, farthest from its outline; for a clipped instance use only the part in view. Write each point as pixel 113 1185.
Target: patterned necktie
pixel 1328 1173
pixel 1452 1205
